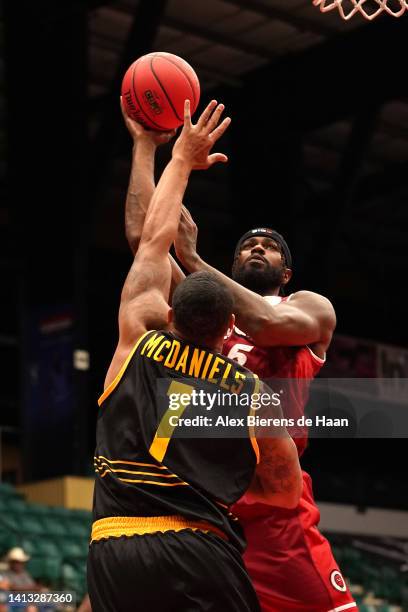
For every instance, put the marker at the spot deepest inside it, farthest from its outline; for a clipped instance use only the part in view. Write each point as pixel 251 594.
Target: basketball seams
pixel 162 88
pixel 138 101
pixel 178 72
pixel 168 59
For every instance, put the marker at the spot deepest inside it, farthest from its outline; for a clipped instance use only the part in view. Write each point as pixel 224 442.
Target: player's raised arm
pixel 308 318
pixel 191 151
pixel 142 184
pixel 144 300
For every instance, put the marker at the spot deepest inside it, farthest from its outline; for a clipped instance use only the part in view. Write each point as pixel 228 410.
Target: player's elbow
pixel 282 474
pixel 133 241
pixel 156 243
pixel 291 498
pixel 262 326
pixel 288 499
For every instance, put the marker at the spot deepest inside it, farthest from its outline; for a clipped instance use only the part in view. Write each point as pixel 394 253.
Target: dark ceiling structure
pixel 318 149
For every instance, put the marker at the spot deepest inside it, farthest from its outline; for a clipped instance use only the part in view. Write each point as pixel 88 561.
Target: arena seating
pixel 375 568
pixel 55 538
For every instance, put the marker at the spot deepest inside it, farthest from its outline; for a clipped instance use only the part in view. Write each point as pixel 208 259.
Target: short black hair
pixel 202 307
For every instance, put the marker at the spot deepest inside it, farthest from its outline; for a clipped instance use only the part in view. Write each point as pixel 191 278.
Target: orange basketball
pixel 155 87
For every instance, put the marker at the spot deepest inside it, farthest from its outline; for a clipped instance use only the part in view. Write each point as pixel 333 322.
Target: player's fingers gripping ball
pixel 155 87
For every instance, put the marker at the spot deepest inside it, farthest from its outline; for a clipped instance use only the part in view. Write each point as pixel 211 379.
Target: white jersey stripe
pixel 346 607
pixel 316 357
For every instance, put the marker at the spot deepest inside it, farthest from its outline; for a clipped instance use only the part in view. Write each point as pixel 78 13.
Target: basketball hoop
pixel 369 9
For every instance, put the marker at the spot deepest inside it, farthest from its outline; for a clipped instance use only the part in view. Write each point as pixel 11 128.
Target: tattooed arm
pixel 278 476
pixel 142 185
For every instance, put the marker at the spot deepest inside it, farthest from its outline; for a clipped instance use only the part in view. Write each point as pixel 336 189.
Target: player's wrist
pixel 144 145
pixel 193 262
pixel 182 161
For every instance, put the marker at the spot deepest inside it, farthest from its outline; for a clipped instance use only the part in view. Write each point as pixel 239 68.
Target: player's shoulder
pixel 304 294
pixel 305 298
pixel 302 297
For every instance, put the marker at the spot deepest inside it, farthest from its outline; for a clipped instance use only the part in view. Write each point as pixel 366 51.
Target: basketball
pixel 155 87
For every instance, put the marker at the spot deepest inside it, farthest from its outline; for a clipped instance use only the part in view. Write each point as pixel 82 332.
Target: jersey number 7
pixel 161 441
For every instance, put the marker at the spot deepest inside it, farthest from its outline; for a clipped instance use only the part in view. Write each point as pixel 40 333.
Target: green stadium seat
pixel 77 529
pixel 72 550
pixel 71 578
pixel 391 584
pixel 358 599
pixel 48 548
pixel 367 608
pixel 29 545
pixel 8 540
pixel 351 555
pixel 338 553
pixel 9 523
pixel 49 535
pixel 31 525
pixel 39 510
pixel 56 526
pixel 17 506
pixel 47 569
pixel 35 567
pixel 82 580
pixel 60 512
pixel 80 562
pixel 7 490
pixel 83 515
pixel 52 569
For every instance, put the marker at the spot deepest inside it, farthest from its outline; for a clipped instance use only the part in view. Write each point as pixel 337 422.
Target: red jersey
pixel 295 366
pixel 290 562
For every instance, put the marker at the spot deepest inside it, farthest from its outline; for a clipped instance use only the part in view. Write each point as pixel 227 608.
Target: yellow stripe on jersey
pixel 153 465
pixel 109 469
pixel 252 436
pixel 144 481
pixel 101 465
pixel 159 484
pixel 118 377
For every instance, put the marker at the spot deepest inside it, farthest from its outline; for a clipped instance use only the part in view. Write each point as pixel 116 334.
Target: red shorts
pixel 291 564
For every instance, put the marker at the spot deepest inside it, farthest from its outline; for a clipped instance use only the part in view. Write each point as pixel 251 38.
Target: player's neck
pixel 215 346
pixel 271 291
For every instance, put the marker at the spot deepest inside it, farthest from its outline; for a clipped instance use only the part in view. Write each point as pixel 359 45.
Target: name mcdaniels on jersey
pixel 255 421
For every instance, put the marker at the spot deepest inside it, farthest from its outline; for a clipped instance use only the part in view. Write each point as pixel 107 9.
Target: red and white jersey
pixel 291 564
pixel 292 368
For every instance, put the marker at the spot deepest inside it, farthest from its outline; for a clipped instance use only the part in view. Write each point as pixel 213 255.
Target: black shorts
pixel 185 571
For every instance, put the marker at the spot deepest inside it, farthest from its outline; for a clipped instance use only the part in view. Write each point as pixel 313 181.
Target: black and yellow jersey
pixel 152 459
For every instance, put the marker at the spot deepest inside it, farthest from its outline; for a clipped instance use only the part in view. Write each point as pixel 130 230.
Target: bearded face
pixel 260 266
pixel 259 278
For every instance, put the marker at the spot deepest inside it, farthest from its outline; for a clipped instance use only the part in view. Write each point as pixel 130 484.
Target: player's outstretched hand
pixel 186 242
pixel 138 132
pixel 196 141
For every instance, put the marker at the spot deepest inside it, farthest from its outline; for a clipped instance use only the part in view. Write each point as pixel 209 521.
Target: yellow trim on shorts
pixel 252 436
pixel 122 370
pixel 117 526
